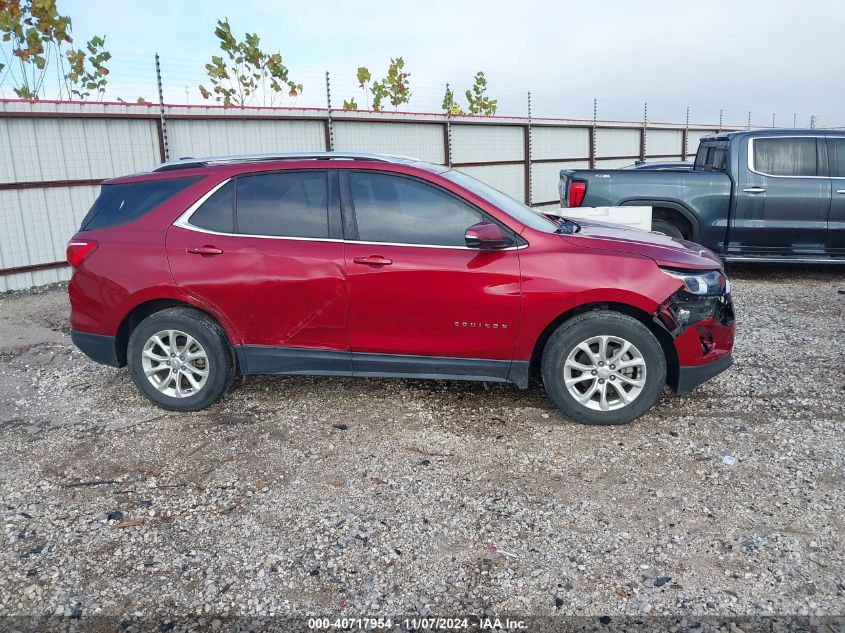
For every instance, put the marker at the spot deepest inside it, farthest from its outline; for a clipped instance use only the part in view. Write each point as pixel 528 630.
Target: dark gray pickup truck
pixel 773 195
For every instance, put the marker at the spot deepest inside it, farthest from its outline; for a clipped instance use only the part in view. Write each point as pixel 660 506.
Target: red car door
pixel 417 292
pixel 273 267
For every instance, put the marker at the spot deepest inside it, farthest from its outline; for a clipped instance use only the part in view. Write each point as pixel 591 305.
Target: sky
pixel 763 56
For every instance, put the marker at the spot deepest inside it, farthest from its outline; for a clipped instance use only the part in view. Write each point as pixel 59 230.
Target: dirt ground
pixel 363 497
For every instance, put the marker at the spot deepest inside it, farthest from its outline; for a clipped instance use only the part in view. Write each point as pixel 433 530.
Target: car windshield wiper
pixel 567 226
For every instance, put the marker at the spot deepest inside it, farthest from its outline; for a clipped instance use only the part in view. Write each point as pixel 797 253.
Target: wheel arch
pixel 146 308
pixel 663 337
pixel 676 209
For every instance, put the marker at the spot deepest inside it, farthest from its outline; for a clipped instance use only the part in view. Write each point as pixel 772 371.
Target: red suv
pixel 369 265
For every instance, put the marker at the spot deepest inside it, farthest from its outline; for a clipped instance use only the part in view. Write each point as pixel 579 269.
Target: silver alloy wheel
pixel 175 363
pixel 605 373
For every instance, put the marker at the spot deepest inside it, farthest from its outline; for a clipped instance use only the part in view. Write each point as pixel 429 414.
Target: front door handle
pixel 755 190
pixel 373 260
pixel 840 191
pixel 205 250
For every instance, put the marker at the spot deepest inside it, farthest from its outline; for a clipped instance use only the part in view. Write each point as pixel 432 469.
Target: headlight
pixel 706 283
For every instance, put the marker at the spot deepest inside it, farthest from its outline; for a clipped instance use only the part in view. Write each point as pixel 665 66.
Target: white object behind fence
pixel 629 217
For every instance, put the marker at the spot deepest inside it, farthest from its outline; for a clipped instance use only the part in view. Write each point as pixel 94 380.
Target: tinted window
pixel 402 210
pixel 121 204
pixel 711 156
pixel 837 157
pixel 518 211
pixel 218 212
pixel 786 156
pixel 290 204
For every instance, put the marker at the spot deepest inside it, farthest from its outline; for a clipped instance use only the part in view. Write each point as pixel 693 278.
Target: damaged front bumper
pixel 702 329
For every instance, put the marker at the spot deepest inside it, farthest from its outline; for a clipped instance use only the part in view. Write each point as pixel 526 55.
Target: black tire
pixel 599 323
pixel 206 331
pixel 666 228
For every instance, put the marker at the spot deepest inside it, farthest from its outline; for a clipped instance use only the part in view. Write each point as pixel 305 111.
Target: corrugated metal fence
pixel 58 153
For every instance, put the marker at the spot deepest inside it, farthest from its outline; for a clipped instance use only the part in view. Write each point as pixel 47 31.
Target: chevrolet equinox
pixel 371 265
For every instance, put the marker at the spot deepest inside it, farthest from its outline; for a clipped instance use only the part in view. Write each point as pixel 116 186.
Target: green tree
pixel 397 83
pixel 87 69
pixel 34 31
pixel 449 104
pixel 244 69
pixel 479 102
pixel 394 87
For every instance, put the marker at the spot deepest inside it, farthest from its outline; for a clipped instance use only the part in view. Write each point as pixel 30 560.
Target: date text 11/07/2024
pixel 417 624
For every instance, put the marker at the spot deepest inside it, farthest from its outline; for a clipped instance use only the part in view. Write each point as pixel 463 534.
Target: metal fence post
pixel 164 150
pixel 721 115
pixel 447 132
pixel 329 124
pixel 812 121
pixel 685 138
pixel 593 135
pixel 643 148
pixel 794 120
pixel 773 120
pixel 748 124
pixel 528 178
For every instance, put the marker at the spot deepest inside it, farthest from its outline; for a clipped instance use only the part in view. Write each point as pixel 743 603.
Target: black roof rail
pixel 188 162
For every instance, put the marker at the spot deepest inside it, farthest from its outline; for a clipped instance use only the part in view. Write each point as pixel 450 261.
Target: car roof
pixel 726 136
pixel 188 162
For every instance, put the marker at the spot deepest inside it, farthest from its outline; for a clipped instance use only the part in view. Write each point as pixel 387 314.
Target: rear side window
pixel 124 203
pixel 289 204
pixel 711 156
pixel 785 156
pixel 405 211
pixel 218 212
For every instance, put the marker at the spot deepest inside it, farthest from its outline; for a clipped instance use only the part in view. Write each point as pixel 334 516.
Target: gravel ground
pixel 362 497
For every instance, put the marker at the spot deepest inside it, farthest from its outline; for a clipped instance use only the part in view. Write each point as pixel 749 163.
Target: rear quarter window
pixel 125 203
pixel 711 156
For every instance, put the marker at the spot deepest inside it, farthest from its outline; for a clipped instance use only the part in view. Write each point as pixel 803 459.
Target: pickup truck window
pixel 785 156
pixel 837 157
pixel 711 156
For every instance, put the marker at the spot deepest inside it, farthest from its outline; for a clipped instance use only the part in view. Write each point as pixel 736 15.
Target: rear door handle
pixel 755 190
pixel 840 191
pixel 373 260
pixel 206 250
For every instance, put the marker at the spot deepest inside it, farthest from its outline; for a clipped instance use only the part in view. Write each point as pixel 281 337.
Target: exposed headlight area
pixel 704 296
pixel 709 283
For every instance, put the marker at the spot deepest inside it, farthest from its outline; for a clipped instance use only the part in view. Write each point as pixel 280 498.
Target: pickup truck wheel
pixel 603 367
pixel 666 228
pixel 180 359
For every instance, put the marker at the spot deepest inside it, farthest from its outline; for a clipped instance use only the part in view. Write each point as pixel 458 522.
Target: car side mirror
pixel 486 236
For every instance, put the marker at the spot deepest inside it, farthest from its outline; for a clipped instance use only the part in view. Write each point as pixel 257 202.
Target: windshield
pixel 518 211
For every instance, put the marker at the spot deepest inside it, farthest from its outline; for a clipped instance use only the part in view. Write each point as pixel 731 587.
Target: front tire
pixel 604 368
pixel 180 359
pixel 666 228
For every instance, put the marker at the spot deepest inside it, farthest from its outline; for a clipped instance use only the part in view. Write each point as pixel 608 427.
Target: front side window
pixel 786 156
pixel 288 204
pixel 401 210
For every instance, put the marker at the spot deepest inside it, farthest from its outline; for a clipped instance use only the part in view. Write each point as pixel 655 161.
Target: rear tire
pixel 666 228
pixel 180 359
pixel 604 368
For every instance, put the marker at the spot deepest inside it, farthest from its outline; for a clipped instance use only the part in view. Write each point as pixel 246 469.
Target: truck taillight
pixel 78 250
pixel 576 193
